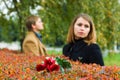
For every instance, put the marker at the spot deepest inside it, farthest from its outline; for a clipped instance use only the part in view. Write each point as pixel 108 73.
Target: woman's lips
pixel 81 33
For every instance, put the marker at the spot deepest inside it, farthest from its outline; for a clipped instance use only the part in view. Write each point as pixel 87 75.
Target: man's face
pixel 38 25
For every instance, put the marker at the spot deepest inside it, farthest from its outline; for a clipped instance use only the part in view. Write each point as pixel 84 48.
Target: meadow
pixel 112 59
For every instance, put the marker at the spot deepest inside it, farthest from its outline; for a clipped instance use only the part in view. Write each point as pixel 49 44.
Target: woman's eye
pixel 86 26
pixel 79 24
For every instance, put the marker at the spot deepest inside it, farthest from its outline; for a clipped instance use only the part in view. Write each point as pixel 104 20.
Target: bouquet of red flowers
pixel 53 64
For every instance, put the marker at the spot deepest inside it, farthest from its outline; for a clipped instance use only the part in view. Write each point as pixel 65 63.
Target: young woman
pixel 81 41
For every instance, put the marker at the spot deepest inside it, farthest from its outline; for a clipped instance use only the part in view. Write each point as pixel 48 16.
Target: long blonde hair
pixel 91 38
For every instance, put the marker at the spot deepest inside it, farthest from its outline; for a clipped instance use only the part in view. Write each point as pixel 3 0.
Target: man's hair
pixel 31 20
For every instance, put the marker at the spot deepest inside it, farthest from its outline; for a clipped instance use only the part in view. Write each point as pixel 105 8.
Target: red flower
pixel 49 61
pixel 54 67
pixel 40 67
pixel 49 64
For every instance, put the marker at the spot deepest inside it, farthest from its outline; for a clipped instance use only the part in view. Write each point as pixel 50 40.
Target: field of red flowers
pixel 15 65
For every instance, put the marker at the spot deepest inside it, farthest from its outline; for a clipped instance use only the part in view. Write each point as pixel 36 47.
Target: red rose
pixel 54 67
pixel 49 62
pixel 40 67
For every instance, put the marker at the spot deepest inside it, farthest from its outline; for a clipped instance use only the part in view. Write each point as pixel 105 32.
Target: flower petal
pixel 40 67
pixel 54 67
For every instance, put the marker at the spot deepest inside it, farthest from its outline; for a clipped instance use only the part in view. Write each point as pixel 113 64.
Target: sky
pixel 4 9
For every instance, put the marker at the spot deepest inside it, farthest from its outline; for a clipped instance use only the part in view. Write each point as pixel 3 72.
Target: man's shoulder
pixel 30 33
pixel 30 37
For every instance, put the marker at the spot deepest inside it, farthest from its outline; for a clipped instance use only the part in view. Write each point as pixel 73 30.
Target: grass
pixel 112 59
pixel 53 52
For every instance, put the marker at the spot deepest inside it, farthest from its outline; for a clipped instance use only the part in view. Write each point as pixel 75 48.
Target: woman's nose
pixel 82 27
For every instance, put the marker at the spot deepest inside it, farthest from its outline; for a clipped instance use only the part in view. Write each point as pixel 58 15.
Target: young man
pixel 32 43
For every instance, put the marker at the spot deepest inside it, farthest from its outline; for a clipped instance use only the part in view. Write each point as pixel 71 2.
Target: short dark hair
pixel 31 20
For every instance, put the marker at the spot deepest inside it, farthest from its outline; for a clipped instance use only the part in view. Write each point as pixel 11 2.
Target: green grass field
pixel 110 60
pixel 53 52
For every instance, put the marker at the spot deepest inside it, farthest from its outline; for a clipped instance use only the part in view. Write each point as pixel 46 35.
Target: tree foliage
pixel 57 16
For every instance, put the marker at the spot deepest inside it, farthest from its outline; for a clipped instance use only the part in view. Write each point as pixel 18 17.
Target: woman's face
pixel 81 28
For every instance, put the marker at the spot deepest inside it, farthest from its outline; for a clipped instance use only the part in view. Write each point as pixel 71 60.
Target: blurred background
pixel 57 16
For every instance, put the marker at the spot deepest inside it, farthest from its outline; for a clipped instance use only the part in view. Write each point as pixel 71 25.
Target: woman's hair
pixel 91 38
pixel 31 20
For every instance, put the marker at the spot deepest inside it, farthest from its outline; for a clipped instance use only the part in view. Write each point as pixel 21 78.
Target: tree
pixel 58 14
pixel 20 9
